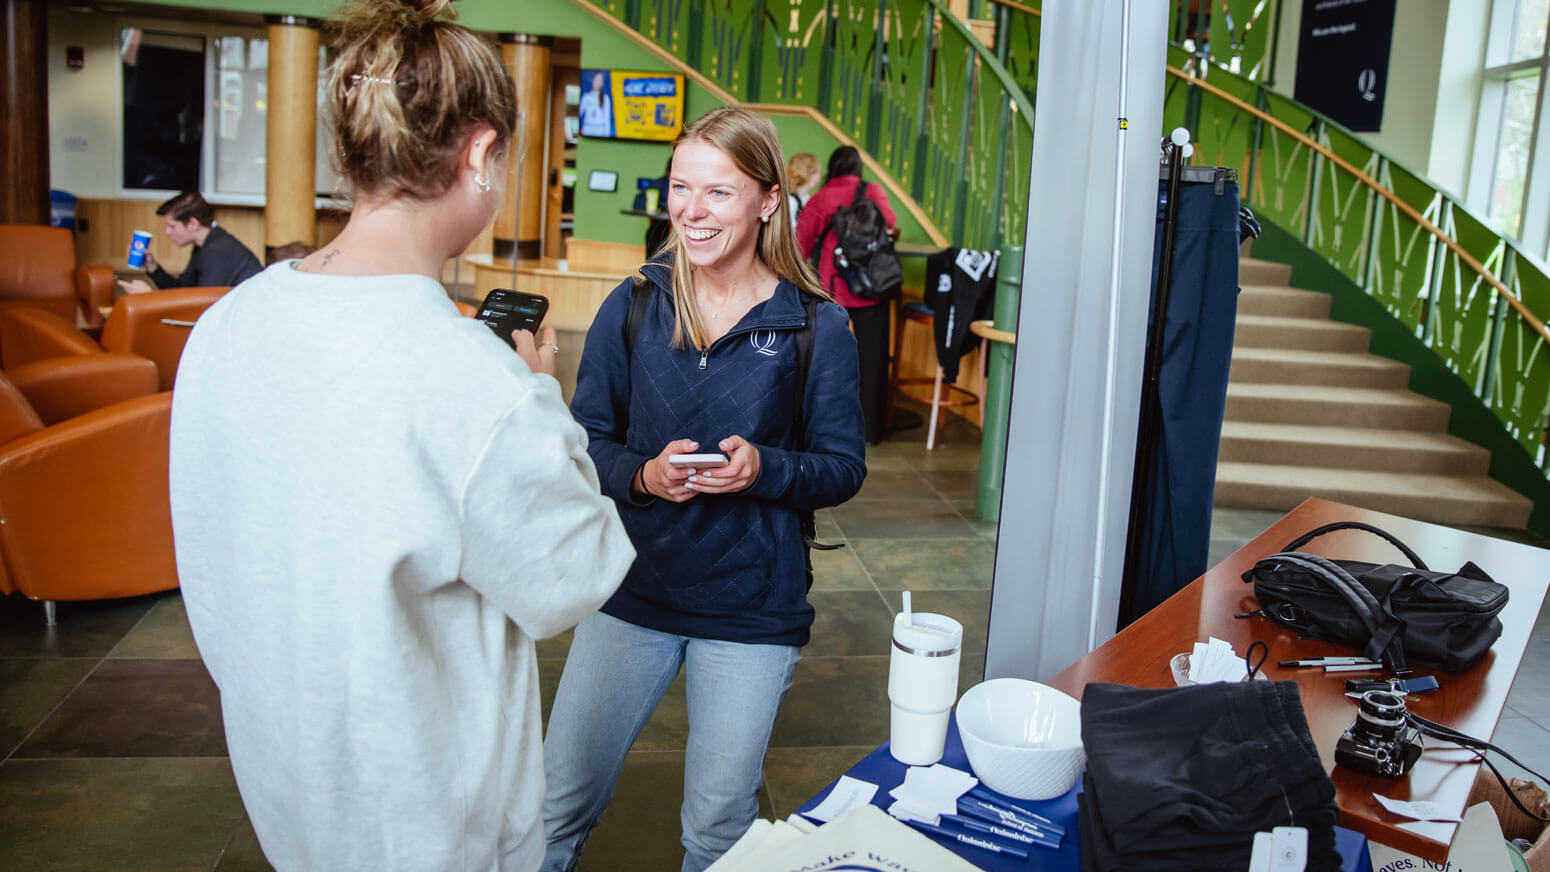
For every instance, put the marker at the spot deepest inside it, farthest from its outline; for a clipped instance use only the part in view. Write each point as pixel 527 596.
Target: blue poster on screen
pixel 621 104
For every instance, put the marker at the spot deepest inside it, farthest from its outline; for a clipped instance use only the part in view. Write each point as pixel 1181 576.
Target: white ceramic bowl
pixel 1023 739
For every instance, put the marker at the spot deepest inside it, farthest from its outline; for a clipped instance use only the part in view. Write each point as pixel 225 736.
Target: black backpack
pixel 863 250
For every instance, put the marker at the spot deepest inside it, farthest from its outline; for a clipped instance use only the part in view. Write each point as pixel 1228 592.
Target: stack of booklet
pixel 864 837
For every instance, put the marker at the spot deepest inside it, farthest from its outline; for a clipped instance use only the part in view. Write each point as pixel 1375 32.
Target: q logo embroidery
pixel 763 342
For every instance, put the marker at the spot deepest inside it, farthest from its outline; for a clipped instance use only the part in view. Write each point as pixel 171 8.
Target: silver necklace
pixel 717 314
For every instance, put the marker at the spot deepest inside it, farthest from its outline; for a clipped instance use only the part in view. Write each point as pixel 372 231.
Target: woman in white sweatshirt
pixel 377 505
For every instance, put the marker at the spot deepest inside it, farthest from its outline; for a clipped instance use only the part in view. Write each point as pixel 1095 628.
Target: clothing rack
pixel 1140 577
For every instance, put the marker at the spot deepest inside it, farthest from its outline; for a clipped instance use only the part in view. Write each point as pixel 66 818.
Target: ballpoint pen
pixel 980 792
pixel 992 814
pixel 1325 661
pixel 1050 841
pixel 981 841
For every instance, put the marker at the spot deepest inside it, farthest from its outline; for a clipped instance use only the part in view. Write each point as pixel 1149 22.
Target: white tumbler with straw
pixel 922 684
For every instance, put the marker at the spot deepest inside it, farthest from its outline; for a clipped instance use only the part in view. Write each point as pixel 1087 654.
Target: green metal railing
pixel 905 79
pixel 1232 34
pixel 1468 294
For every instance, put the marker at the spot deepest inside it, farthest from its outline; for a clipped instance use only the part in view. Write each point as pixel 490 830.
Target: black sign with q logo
pixel 1343 59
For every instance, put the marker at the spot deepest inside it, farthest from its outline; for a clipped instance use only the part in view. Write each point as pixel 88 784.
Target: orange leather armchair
pixel 37 268
pixel 83 502
pixel 154 326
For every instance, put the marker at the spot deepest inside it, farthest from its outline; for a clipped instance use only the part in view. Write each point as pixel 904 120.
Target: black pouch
pixel 1393 613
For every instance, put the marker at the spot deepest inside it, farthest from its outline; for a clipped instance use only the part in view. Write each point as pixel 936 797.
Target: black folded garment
pixel 1183 778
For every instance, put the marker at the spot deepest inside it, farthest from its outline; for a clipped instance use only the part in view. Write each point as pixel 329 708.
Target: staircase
pixel 1311 413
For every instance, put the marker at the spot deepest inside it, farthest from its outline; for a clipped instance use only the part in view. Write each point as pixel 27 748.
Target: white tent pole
pixel 1101 537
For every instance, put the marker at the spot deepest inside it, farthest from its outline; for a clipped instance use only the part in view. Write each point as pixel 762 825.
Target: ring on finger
pixel 555 347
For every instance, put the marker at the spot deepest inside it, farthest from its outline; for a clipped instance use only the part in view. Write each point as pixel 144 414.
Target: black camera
pixel 1381 741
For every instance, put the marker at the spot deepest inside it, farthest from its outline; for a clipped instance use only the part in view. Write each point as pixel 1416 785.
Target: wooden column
pixel 290 172
pixel 554 188
pixel 24 112
pixel 519 226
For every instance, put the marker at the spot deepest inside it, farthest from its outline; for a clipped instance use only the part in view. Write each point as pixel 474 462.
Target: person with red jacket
pixel 868 318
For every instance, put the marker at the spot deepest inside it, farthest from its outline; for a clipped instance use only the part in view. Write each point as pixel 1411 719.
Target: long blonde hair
pixel 752 143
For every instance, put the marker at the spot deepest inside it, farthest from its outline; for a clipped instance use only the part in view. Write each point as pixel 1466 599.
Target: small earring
pixel 764 219
pixel 482 183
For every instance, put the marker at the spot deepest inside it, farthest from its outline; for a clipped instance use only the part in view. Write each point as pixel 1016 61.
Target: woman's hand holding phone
pixel 741 470
pixel 538 357
pixel 663 480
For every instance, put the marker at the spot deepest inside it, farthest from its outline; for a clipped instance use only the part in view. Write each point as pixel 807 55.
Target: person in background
pixel 868 318
pixel 290 251
pixel 720 586
pixel 802 173
pixel 597 109
pixel 219 259
pixel 377 506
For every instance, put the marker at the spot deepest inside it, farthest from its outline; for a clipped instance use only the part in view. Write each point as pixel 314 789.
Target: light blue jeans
pixel 614 676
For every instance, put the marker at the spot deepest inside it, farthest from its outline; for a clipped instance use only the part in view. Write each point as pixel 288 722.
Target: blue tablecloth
pixel 881 769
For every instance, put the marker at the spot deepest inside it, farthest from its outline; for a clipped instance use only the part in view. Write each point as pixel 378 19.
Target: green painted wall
pixel 1470 421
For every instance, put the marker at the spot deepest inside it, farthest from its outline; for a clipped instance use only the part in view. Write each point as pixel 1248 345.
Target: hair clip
pixel 357 78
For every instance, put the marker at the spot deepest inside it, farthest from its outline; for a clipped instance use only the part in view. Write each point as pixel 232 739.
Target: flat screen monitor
pixel 621 104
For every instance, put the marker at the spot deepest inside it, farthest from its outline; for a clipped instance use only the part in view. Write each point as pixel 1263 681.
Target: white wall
pixel 85 142
pixel 1458 95
pixel 1433 90
pixel 86 106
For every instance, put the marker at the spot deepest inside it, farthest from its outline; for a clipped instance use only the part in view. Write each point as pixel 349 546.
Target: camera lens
pixel 1381 714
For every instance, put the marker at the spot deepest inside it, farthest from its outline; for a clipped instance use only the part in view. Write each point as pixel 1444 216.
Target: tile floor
pixel 112 755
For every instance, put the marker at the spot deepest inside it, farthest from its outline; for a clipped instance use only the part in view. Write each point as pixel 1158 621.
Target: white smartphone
pixel 697 460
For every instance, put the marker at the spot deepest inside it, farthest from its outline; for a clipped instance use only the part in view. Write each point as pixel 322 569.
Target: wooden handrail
pixel 1020 7
pixel 1410 211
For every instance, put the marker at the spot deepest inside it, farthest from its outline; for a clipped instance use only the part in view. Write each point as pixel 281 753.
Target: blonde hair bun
pixel 407 87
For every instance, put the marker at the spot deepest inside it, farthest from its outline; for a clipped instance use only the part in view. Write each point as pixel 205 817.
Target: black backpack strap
pixel 817 255
pixel 804 362
pixel 640 298
pixel 1404 549
pixel 860 192
pixel 1383 628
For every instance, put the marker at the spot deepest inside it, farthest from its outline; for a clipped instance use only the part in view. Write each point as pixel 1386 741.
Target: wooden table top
pixel 1470 701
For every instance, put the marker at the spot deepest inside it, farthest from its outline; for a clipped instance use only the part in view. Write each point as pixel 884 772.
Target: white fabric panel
pixel 1056 594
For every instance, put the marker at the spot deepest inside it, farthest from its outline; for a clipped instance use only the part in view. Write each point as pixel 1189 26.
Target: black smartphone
pixel 507 310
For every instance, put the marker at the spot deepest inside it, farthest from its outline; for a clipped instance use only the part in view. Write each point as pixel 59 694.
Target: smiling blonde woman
pixel 710 365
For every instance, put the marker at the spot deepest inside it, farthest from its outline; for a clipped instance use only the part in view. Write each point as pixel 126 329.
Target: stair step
pixel 1281 300
pixel 1308 334
pixel 1334 406
pixel 1439 499
pixel 1351 448
pixel 1337 368
pixel 1252 271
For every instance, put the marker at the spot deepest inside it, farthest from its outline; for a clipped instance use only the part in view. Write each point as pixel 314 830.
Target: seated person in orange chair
pixel 219 259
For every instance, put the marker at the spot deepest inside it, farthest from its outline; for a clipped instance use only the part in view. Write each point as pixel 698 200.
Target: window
pixel 1510 184
pixel 175 139
pixel 163 108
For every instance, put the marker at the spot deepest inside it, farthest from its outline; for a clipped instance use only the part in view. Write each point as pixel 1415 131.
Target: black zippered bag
pixel 1393 613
